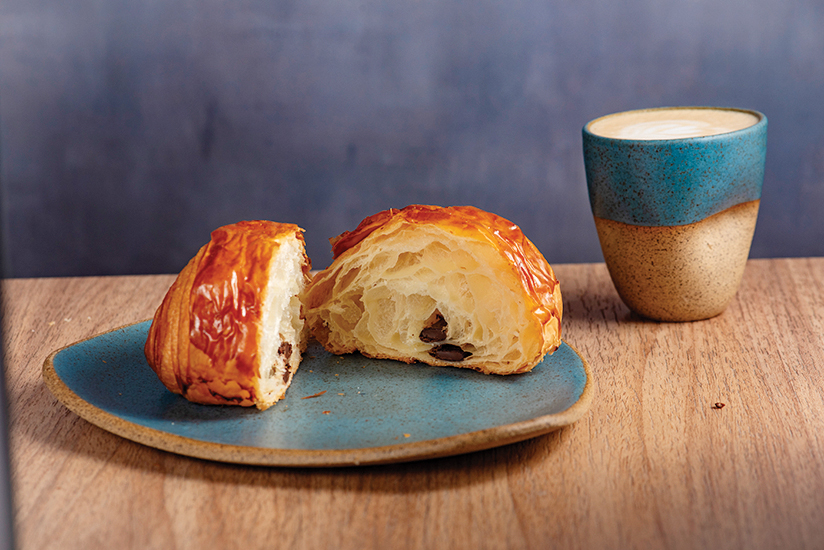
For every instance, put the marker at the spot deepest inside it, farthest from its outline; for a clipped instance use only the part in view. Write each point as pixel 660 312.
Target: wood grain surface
pixel 654 464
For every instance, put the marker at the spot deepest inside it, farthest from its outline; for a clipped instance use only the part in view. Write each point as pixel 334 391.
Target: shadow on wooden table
pixel 590 298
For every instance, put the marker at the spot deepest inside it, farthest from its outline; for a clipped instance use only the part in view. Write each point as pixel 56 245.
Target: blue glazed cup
pixel 675 195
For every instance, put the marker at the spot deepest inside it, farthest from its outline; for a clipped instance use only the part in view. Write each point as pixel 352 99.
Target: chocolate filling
pixel 285 350
pixel 449 352
pixel 434 329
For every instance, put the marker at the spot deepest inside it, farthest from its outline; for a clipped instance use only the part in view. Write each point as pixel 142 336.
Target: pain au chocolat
pixel 453 286
pixel 230 329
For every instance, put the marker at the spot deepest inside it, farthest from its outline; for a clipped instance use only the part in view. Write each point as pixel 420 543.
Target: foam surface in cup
pixel 671 123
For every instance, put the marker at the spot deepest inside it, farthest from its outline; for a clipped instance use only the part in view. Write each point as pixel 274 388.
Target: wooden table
pixel 653 464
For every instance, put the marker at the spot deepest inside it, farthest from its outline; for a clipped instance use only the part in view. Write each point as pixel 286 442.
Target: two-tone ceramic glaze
pixel 676 217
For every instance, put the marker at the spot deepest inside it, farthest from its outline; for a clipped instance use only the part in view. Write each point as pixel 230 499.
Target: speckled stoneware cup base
pixel 679 273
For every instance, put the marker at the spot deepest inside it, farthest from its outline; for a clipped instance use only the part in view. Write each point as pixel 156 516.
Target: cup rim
pixel 762 120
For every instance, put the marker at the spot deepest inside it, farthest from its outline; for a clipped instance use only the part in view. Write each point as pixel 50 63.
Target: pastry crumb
pixel 314 395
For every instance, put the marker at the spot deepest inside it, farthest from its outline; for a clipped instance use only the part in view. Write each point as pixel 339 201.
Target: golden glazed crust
pixel 445 286
pixel 205 339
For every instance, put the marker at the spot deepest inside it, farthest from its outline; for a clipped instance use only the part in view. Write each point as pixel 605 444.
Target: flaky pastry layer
pixel 453 286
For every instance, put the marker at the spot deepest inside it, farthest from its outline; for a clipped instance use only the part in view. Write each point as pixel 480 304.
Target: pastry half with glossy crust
pixel 453 286
pixel 230 330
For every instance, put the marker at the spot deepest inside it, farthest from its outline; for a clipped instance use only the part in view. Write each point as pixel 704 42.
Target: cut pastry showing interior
pixel 230 329
pixel 453 286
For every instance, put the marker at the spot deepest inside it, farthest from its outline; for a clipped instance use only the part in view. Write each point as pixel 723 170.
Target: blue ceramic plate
pixel 372 411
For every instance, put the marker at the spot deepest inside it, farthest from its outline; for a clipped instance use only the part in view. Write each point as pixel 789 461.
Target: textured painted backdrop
pixel 129 129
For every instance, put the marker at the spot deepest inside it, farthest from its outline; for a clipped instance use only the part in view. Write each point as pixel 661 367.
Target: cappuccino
pixel 671 123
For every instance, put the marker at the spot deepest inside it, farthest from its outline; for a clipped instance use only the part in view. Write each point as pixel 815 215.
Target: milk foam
pixel 671 123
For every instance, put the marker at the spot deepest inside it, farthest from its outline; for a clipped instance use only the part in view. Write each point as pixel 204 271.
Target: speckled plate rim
pixel 258 456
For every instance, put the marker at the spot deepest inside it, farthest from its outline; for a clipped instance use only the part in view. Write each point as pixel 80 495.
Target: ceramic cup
pixel 675 195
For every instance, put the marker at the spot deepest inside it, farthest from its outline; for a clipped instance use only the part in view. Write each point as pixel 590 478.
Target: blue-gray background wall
pixel 129 129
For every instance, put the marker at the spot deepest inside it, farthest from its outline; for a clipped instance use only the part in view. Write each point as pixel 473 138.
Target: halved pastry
pixel 230 329
pixel 453 286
